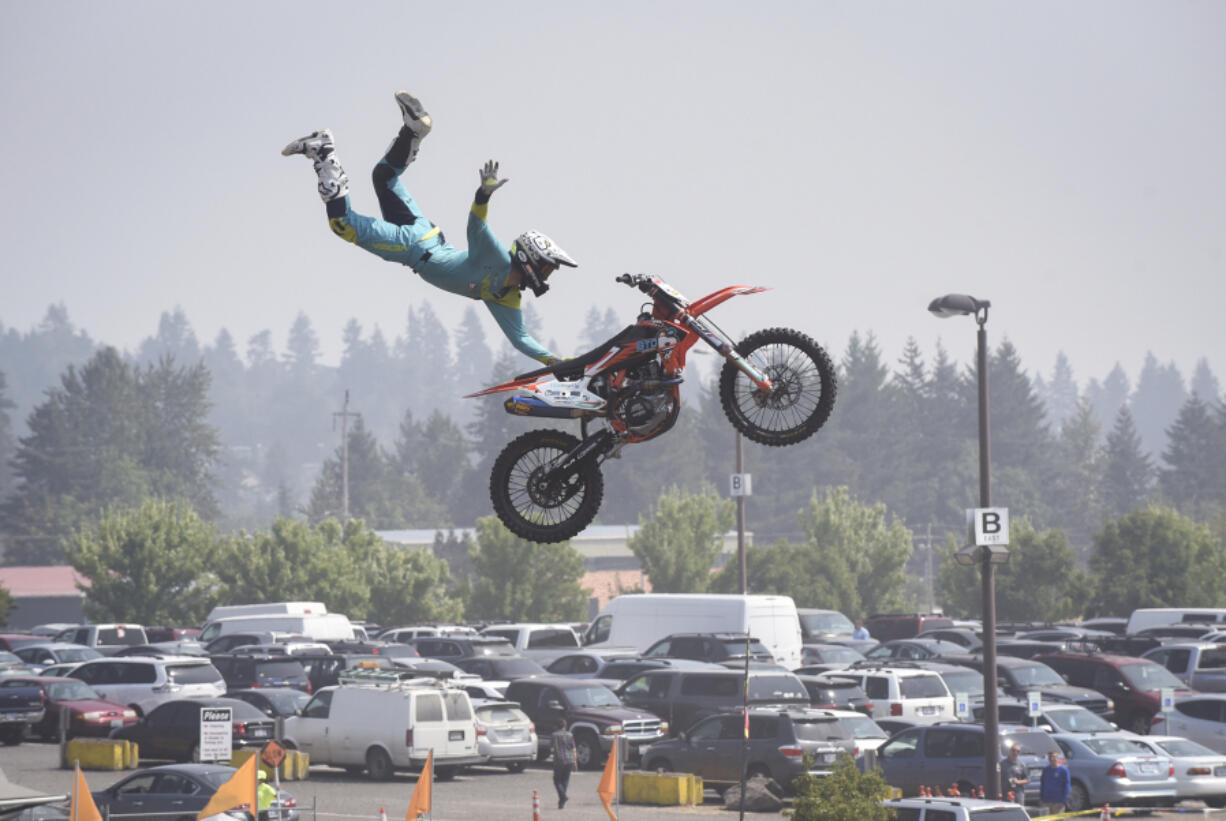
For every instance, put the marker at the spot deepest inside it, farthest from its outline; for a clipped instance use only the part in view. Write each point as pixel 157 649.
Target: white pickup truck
pixel 542 642
pixel 1199 664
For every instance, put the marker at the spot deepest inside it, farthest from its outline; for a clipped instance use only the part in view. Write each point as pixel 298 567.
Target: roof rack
pixel 387 679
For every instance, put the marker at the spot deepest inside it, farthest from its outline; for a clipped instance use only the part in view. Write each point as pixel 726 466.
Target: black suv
pixel 716 647
pixel 886 626
pixel 682 697
pixel 591 711
pixel 244 671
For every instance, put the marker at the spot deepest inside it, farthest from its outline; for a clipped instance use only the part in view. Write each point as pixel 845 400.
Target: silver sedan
pixel 1112 768
pixel 505 734
pixel 1199 772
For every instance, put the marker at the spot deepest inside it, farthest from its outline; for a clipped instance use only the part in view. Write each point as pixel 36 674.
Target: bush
pixel 845 795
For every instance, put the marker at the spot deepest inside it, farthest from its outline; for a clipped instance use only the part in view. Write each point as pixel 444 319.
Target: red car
pixel 89 714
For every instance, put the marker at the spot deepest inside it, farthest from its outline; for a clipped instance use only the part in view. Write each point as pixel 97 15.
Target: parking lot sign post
pixel 962 705
pixel 216 734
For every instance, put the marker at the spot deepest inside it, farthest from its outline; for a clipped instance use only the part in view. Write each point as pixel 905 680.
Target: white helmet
pixel 538 256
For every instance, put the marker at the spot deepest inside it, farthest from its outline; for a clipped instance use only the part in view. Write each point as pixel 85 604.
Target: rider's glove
pixel 489 179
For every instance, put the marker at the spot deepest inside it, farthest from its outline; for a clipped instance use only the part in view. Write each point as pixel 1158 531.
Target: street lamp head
pixel 957 305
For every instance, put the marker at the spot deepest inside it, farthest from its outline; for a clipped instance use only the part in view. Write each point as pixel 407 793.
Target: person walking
pixel 564 759
pixel 486 271
pixel 1054 784
pixel 861 632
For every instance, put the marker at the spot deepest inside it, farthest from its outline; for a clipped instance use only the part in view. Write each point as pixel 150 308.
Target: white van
pixel 638 620
pixel 326 627
pixel 384 725
pixel 276 608
pixel 1144 617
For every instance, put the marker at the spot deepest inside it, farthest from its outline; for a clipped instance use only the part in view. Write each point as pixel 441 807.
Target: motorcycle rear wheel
pixel 532 507
pixel 802 395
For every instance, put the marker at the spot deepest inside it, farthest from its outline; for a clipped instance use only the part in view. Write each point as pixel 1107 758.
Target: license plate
pixel 927 711
pixel 14 717
pixel 116 722
pixel 455 735
pixel 1219 770
pixel 260 732
pixel 1149 769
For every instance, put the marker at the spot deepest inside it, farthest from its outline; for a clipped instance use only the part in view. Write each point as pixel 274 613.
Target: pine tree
pixel 1156 402
pixel 1061 393
pixel 1110 396
pixel 1075 493
pixel 1128 472
pixel 175 338
pixel 1192 480
pixel 1205 384
pixel 7 443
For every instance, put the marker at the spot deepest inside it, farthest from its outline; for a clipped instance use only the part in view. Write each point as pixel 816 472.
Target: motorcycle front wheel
pixel 534 505
pixel 802 388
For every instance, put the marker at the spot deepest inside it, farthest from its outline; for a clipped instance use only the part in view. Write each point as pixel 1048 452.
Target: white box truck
pixel 638 620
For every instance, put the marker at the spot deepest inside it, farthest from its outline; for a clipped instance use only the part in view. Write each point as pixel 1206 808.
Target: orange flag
pixel 608 782
pixel 83 806
pixel 420 803
pixel 240 790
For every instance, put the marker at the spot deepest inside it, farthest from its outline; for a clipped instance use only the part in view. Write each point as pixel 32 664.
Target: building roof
pixel 53 580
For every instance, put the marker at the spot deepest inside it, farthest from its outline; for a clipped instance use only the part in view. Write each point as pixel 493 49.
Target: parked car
pixel 865 733
pixel 402 634
pixel 1133 684
pixel 900 692
pixel 817 626
pixel 88 713
pixel 22 705
pixel 681 697
pixel 106 638
pixel 886 626
pixel 953 753
pixel 176 792
pixel 916 649
pixel 500 668
pixel 326 669
pixel 242 671
pixel 836 695
pixel 1019 676
pixel 1115 769
pixel 172 730
pixel 1200 717
pixel 1200 773
pixel 591 711
pixel 144 683
pixel 228 642
pixel 1200 665
pixel 450 648
pixel 41 654
pixel 954 809
pixel 15 641
pixel 828 656
pixel 505 735
pixel 158 635
pixel 539 641
pixel 779 741
pixel 968 639
pixel 11 663
pixel 275 702
pixel 586 663
pixel 714 647
pixel 387 725
pixel 969 682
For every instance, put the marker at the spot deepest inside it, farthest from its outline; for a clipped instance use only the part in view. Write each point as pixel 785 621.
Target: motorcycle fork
pixel 727 351
pixel 589 451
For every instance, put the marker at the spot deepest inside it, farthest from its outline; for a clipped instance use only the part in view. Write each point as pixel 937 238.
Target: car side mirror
pixel 1047 728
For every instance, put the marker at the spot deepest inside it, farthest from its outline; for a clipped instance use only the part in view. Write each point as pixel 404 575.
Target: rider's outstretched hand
pixel 489 178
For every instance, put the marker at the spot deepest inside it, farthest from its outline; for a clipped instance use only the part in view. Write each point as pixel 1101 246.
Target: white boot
pixel 316 145
pixel 333 182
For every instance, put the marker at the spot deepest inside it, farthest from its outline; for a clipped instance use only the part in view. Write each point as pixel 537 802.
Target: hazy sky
pixel 1066 160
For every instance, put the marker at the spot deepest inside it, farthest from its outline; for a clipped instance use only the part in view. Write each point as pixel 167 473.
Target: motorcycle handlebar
pixel 641 281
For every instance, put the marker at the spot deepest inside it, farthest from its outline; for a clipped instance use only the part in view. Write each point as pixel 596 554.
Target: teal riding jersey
pixel 404 235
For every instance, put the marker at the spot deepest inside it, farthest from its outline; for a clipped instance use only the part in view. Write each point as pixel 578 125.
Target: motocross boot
pixel 316 145
pixel 417 125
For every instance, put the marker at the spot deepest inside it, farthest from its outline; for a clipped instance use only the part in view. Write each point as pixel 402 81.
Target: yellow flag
pixel 420 803
pixel 608 782
pixel 238 791
pixel 83 806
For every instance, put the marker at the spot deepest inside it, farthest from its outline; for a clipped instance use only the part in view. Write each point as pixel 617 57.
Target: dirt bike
pixel 777 387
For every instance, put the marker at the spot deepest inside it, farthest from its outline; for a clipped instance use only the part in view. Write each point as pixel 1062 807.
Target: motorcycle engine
pixel 645 406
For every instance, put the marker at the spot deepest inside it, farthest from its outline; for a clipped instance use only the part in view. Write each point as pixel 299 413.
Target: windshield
pixel 121 635
pixel 517 667
pixel 862 727
pixel 287 704
pixel 193 674
pixel 1150 677
pixel 820 729
pixel 71 691
pixel 592 696
pixel 777 688
pixel 1116 746
pixel 1184 747
pixel 736 648
pixel 1078 721
pixel 831 623
pixel 77 654
pixel 839 655
pixel 278 670
pixel 1040 674
pixel 964 681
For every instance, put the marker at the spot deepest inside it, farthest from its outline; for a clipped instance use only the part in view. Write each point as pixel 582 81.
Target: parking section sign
pixel 991 525
pixel 216 734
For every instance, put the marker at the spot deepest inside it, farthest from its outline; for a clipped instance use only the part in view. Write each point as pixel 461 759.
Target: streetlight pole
pixel 963 305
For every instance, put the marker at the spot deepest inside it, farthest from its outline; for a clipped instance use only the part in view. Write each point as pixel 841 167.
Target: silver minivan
pixel 142 682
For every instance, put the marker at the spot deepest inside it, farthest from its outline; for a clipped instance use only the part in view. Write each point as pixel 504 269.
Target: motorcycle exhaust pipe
pixel 530 406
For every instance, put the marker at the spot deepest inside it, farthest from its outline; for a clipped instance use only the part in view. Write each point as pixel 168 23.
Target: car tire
pixel 659 765
pixel 444 773
pixel 1078 798
pixel 378 764
pixel 1217 802
pixel 587 751
pixel 12 735
pixel 516 766
pixel 543 755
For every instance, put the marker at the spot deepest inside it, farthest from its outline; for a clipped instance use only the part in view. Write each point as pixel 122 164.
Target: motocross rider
pixel 486 271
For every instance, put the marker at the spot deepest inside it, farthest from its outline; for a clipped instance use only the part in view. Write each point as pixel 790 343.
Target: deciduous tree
pixel 678 543
pixel 524 581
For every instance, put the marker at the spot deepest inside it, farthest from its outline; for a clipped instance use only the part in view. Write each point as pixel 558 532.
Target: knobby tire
pixel 531 511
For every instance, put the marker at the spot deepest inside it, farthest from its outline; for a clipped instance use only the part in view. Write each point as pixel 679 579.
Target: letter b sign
pixel 991 525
